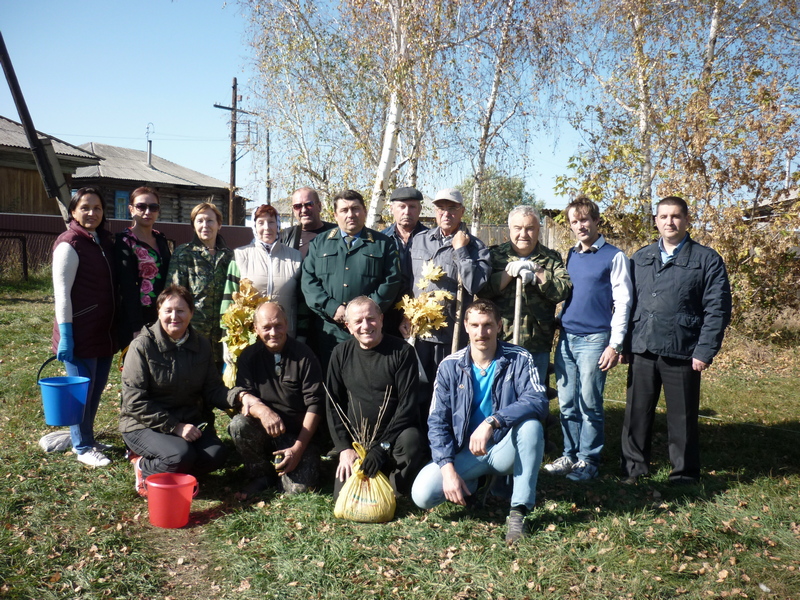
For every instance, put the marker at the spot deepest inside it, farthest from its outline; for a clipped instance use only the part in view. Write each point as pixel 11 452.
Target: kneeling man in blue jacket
pixel 486 419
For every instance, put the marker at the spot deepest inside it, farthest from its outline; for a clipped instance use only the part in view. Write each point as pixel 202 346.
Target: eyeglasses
pixel 142 207
pixel 299 207
pixel 448 209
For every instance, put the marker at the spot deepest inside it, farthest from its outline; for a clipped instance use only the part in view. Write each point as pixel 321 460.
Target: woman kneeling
pixel 169 385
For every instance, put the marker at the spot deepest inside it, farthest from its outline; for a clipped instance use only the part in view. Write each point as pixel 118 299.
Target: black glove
pixel 373 461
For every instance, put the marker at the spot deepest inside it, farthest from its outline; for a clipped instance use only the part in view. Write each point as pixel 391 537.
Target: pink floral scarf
pixel 149 266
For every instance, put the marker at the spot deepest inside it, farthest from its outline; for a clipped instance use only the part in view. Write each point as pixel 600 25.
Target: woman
pixel 273 267
pixel 142 258
pixel 85 302
pixel 201 266
pixel 169 385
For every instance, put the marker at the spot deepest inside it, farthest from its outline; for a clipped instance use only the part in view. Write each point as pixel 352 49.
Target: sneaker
pixel 560 466
pixel 583 471
pixel 516 526
pixel 94 458
pixel 101 447
pixel 139 484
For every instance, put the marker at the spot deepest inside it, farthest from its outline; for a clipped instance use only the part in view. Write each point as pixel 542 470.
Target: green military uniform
pixel 334 274
pixel 539 301
pixel 193 267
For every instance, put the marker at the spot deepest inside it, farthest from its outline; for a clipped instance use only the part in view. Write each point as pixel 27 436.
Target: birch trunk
pixel 487 133
pixel 386 163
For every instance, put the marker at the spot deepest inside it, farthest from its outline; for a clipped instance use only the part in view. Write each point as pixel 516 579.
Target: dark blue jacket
pixel 517 395
pixel 680 309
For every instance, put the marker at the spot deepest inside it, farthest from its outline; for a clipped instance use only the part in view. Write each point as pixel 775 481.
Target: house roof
pixel 17 152
pixel 129 164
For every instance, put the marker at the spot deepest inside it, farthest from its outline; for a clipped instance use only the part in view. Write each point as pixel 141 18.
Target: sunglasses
pixel 142 207
pixel 299 207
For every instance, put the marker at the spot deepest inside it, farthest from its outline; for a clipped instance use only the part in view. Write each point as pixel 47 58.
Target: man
pixel 682 307
pixel 306 207
pixel 348 261
pixel 593 326
pixel 465 261
pixel 275 436
pixel 406 205
pixel 545 284
pixel 366 372
pixel 485 419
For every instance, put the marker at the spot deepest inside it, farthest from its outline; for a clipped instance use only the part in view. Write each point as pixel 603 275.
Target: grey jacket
pixel 164 384
pixel 472 263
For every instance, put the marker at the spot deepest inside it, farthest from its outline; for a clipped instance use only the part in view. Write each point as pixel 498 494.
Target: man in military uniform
pixel 545 284
pixel 348 261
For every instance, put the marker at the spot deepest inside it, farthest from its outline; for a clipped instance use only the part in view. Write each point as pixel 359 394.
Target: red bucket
pixel 169 498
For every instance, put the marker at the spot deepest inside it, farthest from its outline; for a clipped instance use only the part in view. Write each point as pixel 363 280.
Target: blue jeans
pixel 518 453
pixel 97 370
pixel 580 394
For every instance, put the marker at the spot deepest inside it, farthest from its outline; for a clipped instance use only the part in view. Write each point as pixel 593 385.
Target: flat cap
pixel 406 193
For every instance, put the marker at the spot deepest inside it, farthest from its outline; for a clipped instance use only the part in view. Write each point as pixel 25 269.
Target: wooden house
pixel 21 187
pixel 122 170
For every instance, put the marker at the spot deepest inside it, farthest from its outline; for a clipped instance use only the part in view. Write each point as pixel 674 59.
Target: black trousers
pixel 167 453
pixel 408 455
pixel 647 374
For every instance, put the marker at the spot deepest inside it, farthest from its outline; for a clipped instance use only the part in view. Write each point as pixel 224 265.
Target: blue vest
pixel 589 307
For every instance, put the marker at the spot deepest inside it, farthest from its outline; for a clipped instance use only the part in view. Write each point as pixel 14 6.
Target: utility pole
pixel 233 209
pixel 232 199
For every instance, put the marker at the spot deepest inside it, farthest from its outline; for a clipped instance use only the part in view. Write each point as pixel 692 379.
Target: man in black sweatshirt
pixel 365 372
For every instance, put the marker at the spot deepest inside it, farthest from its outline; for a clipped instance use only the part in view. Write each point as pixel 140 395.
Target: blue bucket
pixel 63 398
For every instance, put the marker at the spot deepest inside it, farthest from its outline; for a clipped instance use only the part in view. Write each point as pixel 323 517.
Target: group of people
pixel 439 416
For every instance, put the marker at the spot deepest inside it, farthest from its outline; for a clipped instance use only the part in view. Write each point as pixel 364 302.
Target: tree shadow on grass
pixel 730 454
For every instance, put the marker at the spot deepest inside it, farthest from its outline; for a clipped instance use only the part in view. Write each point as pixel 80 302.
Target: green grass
pixel 67 531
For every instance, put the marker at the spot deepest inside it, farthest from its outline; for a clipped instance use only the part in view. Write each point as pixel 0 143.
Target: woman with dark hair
pixel 273 267
pixel 85 305
pixel 201 266
pixel 169 386
pixel 142 256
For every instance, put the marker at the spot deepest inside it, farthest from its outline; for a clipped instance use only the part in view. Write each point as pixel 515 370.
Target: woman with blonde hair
pixel 201 266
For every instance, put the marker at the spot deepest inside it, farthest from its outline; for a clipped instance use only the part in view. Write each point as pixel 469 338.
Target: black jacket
pixel 681 308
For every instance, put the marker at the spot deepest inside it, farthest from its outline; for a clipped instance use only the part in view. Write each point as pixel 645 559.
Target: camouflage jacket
pixel 539 301
pixel 193 267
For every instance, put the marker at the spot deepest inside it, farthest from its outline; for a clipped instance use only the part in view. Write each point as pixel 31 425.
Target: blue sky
pixel 101 71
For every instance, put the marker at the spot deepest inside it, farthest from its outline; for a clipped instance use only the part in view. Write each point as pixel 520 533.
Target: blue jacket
pixel 517 395
pixel 681 308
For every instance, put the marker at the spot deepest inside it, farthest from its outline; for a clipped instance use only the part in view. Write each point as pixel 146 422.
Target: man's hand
pixel 480 438
pixel 514 267
pixel 373 461
pixel 460 239
pixel 454 488
pixel 187 431
pixel 339 314
pixel 699 365
pixel 405 328
pixel 608 359
pixel 248 401
pixel 291 458
pixel 346 460
pixel 527 276
pixel 270 420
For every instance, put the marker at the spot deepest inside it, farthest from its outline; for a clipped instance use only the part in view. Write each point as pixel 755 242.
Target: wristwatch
pixel 617 348
pixel 495 424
